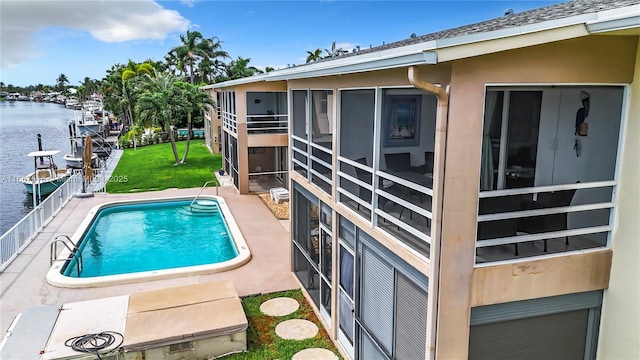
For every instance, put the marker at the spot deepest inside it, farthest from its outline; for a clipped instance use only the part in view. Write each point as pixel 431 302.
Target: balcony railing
pixel 267 124
pixel 535 221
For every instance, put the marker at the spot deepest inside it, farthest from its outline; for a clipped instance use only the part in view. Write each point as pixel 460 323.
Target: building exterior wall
pixel 246 141
pixel 620 325
pixel 584 60
pixel 215 124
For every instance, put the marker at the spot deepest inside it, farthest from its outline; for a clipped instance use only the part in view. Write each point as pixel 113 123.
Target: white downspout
pixel 442 114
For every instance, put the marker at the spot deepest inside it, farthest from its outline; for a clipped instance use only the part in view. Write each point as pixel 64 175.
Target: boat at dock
pixel 74 160
pixel 46 177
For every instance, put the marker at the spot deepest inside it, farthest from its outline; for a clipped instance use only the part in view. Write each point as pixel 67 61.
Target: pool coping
pixel 56 278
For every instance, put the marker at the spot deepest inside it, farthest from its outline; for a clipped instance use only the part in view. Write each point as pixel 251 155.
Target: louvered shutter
pixel 556 336
pixel 376 298
pixel 411 320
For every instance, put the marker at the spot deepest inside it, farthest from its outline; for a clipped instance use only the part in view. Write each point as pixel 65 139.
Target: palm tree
pixel 194 48
pixel 193 99
pixel 239 68
pixel 159 104
pixel 61 83
pixel 133 70
pixel 335 51
pixel 314 55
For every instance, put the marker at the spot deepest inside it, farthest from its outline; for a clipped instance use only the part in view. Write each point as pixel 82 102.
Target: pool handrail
pixel 73 253
pixel 200 192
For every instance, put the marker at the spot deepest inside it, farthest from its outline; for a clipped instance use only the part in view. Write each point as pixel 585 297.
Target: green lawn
pixel 152 167
pixel 262 341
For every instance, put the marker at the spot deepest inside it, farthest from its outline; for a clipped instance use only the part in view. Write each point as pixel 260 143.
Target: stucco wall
pixel 594 59
pixel 620 324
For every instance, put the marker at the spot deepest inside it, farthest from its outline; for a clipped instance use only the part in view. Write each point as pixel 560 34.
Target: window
pixel 387 296
pixel 559 327
pixel 312 258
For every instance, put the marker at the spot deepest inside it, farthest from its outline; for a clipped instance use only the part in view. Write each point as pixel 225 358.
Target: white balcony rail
pixel 21 234
pixel 588 203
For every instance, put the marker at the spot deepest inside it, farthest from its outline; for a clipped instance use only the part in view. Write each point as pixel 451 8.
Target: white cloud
pixel 107 21
pixel 189 3
pixel 347 46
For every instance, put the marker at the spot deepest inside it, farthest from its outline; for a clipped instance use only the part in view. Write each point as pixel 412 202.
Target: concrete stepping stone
pixel 314 354
pixel 279 306
pixel 296 329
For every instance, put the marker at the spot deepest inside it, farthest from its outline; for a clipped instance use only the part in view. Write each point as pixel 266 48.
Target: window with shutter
pixel 376 298
pixel 411 320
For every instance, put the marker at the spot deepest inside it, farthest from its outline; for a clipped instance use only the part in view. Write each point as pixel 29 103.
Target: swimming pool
pixel 130 241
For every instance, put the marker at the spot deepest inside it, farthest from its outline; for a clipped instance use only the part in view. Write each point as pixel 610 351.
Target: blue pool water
pixel 152 236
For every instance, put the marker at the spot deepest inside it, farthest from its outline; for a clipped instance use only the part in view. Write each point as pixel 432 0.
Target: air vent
pixel 183 346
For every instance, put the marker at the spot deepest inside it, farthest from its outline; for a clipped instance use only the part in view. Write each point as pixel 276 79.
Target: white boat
pixel 46 176
pixel 74 160
pixel 72 103
pixel 88 124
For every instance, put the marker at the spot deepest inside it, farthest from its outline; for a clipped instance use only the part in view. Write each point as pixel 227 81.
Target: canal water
pixel 20 124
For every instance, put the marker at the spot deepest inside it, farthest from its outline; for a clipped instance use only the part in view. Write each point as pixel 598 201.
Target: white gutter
pixel 245 80
pixel 615 20
pixel 420 58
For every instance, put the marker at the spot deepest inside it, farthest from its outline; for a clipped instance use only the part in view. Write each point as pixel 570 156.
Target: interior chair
pixel 365 176
pixel 428 162
pixel 546 223
pixel 498 228
pixel 398 161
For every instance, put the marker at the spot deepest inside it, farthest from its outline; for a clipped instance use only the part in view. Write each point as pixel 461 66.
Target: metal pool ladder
pixel 73 251
pixel 200 192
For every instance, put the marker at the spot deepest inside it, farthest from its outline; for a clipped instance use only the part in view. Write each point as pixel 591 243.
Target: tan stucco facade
pixel 457 284
pixel 588 60
pixel 245 141
pixel 620 325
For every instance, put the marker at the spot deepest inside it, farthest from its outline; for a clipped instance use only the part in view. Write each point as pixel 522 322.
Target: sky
pixel 39 40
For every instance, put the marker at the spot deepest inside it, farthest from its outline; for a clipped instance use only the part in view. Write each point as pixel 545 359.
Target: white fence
pixel 21 234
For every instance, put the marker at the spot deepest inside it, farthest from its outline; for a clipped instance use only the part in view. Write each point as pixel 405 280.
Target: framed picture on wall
pixel 401 120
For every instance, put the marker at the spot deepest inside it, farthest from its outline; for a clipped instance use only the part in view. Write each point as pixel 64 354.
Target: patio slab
pixel 281 306
pixel 297 329
pixel 314 354
pixel 269 270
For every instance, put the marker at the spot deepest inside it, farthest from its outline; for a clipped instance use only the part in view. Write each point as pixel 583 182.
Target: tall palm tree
pixel 194 48
pixel 61 83
pixel 314 55
pixel 193 99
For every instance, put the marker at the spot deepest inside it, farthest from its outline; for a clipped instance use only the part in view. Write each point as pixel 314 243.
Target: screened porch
pixel 548 170
pixel 385 160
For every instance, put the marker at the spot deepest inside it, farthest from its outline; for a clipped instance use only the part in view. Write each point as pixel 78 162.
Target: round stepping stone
pixel 296 329
pixel 279 306
pixel 314 354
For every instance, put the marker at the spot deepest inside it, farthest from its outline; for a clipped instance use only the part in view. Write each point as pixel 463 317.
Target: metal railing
pixel 21 234
pixel 583 219
pixel 74 252
pixel 200 192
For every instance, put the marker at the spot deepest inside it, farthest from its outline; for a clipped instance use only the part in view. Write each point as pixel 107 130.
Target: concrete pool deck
pixel 23 284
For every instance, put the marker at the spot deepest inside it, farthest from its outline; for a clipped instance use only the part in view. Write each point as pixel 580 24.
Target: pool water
pixel 153 236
